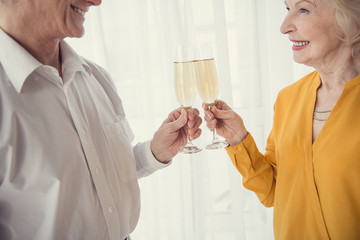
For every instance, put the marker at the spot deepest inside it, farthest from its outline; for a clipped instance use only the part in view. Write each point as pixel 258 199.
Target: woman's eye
pixel 303 10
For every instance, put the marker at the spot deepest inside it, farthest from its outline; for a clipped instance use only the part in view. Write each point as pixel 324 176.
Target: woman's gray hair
pixel 347 13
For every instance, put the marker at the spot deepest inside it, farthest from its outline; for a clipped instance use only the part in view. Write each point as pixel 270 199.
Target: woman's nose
pixel 287 26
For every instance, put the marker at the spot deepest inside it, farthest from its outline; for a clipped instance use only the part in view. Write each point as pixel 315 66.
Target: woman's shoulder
pixel 302 85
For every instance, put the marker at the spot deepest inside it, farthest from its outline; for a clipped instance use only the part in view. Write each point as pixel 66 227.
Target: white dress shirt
pixel 67 167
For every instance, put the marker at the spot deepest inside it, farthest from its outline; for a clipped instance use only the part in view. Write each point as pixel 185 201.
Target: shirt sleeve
pixel 258 170
pixel 146 163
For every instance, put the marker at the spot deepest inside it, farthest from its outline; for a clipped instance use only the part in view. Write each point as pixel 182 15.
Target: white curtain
pixel 199 196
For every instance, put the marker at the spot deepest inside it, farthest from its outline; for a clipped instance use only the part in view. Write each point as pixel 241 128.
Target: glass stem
pixel 214 135
pixel 214 131
pixel 189 142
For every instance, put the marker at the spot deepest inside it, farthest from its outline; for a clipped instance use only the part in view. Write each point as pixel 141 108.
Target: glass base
pixel 217 145
pixel 189 149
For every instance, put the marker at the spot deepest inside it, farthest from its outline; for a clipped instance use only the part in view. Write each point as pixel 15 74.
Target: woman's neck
pixel 336 75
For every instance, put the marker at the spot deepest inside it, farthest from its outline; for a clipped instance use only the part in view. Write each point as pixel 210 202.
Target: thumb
pixel 220 114
pixel 179 122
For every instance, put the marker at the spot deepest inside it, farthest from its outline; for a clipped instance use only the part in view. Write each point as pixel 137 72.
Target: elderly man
pixel 67 167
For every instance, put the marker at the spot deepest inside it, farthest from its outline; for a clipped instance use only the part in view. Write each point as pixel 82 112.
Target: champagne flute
pixel 185 86
pixel 208 86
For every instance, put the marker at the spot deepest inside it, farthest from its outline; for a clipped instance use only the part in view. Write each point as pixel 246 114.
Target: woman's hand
pixel 228 123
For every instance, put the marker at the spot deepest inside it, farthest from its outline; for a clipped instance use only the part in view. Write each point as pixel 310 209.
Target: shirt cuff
pixel 146 163
pixel 239 154
pixel 244 144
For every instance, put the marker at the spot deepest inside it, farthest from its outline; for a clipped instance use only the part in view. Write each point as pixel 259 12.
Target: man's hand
pixel 173 133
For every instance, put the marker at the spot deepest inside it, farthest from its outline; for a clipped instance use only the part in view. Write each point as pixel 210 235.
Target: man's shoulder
pixel 95 67
pixel 100 73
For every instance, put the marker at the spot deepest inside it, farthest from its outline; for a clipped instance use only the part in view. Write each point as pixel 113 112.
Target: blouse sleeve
pixel 258 170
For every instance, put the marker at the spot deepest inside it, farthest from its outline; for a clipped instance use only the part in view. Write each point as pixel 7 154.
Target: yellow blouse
pixel 314 187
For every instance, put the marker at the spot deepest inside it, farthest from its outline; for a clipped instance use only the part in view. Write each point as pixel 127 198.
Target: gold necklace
pixel 320 111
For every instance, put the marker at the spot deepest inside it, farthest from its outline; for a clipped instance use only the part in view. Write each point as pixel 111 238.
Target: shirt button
pixel 97 171
pixel 239 148
pixel 111 210
pixel 83 131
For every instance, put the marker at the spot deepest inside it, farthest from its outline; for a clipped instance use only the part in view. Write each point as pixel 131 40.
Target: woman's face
pixel 57 18
pixel 311 27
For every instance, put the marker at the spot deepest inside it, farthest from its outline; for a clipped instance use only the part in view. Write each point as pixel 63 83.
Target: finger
pixel 205 106
pixel 175 114
pixel 221 105
pixel 193 121
pixel 179 122
pixel 211 124
pixel 197 112
pixel 171 117
pixel 193 114
pixel 195 126
pixel 208 116
pixel 222 114
pixel 196 134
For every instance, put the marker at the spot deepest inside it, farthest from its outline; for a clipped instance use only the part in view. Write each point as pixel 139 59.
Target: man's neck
pixel 44 48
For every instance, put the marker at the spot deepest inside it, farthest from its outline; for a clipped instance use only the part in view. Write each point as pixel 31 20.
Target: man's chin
pixel 78 33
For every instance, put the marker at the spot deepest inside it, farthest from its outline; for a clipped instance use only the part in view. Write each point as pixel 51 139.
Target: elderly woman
pixel 310 171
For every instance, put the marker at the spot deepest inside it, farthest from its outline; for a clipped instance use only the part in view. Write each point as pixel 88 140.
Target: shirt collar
pixel 16 61
pixel 19 64
pixel 71 61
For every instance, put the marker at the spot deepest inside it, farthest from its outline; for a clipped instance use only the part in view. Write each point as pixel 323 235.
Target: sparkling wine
pixel 185 83
pixel 207 80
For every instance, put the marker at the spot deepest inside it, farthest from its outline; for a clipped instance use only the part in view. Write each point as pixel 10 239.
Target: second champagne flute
pixel 185 86
pixel 208 86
